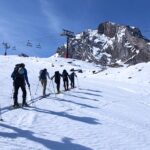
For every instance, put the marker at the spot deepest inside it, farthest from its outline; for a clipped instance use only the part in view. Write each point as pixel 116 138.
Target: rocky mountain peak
pixel 108 28
pixel 110 43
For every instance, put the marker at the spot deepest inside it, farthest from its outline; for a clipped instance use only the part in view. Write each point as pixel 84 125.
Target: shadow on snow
pixel 82 97
pixel 88 93
pixel 88 120
pixel 69 101
pixel 90 90
pixel 65 144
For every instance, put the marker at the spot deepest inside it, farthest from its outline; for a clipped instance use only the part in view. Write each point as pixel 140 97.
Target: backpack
pixel 65 75
pixel 57 76
pixel 18 72
pixel 71 76
pixel 42 75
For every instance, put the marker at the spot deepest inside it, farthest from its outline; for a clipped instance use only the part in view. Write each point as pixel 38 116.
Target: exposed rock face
pixel 108 29
pixel 109 44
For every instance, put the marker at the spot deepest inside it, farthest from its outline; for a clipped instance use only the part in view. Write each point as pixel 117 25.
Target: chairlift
pixel 29 44
pixel 38 46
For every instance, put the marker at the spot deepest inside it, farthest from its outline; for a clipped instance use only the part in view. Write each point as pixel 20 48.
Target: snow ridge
pixel 107 110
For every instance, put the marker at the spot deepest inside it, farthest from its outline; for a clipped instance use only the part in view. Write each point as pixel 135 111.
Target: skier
pixel 20 78
pixel 57 76
pixel 71 77
pixel 43 78
pixel 65 76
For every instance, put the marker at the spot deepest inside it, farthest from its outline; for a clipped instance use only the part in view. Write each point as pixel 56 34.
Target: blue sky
pixel 42 21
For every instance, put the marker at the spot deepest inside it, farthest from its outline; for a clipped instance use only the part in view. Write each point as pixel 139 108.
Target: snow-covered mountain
pixel 111 43
pixel 108 110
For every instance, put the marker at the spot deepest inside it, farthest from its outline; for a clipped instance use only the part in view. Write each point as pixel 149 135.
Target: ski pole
pixel 53 87
pixel 12 92
pixel 30 91
pixel 78 82
pixel 1 119
pixel 31 96
pixel 49 87
pixel 51 81
pixel 37 87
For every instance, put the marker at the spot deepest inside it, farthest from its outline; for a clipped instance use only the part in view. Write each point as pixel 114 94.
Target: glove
pixel 29 85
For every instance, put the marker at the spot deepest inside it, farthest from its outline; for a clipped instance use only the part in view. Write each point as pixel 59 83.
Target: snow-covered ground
pixel 109 110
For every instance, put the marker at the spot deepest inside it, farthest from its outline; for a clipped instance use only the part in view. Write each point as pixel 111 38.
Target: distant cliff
pixel 111 43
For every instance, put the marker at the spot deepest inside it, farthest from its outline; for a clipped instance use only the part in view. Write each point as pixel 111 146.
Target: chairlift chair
pixel 29 44
pixel 38 46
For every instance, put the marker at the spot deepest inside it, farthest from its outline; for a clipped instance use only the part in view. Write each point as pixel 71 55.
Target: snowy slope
pixel 109 110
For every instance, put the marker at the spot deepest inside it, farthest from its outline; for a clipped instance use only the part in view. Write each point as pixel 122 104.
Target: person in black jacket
pixel 20 78
pixel 57 77
pixel 65 76
pixel 72 76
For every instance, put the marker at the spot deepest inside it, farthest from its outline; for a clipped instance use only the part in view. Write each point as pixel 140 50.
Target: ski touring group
pixel 20 79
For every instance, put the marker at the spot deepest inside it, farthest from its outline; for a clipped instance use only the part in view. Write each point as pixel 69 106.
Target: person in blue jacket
pixel 20 78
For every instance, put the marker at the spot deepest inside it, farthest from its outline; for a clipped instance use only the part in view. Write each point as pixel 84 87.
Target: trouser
pixel 58 86
pixel 66 84
pixel 44 84
pixel 72 83
pixel 15 95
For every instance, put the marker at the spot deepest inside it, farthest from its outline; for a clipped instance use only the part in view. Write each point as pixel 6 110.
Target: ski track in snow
pixel 102 113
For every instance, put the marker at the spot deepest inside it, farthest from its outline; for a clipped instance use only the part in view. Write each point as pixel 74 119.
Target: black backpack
pixel 18 73
pixel 65 75
pixel 57 76
pixel 42 74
